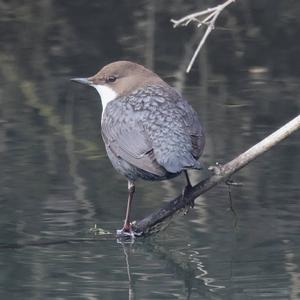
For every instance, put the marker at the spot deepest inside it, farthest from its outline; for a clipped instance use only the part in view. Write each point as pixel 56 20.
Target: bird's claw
pixel 128 232
pixel 190 203
pixel 122 233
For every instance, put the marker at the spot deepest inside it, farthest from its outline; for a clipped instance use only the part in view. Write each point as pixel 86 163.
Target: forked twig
pixel 205 17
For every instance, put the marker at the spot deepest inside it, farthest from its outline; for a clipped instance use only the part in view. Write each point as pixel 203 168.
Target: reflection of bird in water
pixel 131 293
pixel 149 130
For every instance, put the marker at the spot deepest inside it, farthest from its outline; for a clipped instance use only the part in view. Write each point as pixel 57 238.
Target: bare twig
pixel 205 17
pixel 155 221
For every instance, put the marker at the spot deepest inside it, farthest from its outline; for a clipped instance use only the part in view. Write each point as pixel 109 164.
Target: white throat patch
pixel 106 93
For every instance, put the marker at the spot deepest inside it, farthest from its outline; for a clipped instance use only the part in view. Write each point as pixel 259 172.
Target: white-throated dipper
pixel 150 131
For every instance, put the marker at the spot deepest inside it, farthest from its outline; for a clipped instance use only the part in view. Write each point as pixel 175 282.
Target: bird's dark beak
pixel 84 81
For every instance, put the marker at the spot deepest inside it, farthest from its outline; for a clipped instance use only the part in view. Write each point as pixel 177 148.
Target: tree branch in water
pixel 159 219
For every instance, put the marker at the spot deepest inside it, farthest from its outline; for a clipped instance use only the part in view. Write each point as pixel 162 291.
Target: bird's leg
pixel 187 179
pixel 185 191
pixel 131 190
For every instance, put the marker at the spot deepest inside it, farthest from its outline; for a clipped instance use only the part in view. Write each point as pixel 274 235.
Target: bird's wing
pixel 193 128
pixel 128 141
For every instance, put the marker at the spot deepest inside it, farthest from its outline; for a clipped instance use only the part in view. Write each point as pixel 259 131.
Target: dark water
pixel 56 181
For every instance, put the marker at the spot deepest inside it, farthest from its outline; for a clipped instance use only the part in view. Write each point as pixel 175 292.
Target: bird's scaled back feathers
pixel 153 129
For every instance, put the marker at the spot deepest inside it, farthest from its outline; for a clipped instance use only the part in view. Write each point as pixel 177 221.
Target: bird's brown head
pixel 120 78
pixel 124 77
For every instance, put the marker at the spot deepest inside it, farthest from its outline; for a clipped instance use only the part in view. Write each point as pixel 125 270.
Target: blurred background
pixel 56 181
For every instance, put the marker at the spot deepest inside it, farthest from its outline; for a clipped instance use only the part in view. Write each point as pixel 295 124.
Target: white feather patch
pixel 106 93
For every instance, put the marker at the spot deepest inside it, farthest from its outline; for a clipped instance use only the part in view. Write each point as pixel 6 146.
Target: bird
pixel 149 130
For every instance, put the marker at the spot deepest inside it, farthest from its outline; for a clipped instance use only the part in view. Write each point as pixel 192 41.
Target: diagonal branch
pixel 209 17
pixel 161 218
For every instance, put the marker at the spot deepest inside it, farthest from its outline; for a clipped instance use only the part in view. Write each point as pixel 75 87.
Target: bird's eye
pixel 111 79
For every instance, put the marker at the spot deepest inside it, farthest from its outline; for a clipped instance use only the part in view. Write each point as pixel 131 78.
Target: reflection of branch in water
pixel 186 265
pixel 9 72
pixel 292 268
pixel 52 242
pixel 180 74
pixel 79 183
pixel 47 111
pixel 203 276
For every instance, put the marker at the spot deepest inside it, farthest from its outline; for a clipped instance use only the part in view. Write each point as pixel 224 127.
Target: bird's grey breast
pixel 127 143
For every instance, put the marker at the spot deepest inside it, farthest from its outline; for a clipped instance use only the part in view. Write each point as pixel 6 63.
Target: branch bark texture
pixel 159 219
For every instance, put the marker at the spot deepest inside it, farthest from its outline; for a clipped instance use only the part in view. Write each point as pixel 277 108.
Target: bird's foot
pixel 127 232
pixel 125 235
pixel 190 203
